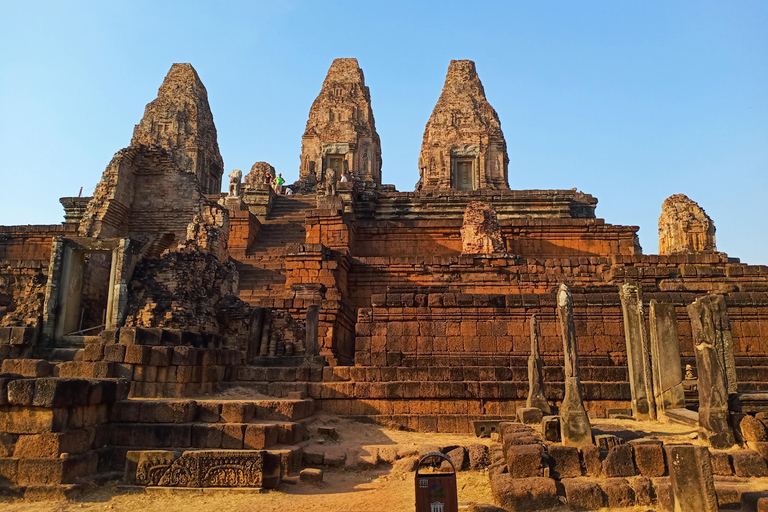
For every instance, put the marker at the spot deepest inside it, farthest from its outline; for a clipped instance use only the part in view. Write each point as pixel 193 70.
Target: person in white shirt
pixel 288 191
pixel 343 178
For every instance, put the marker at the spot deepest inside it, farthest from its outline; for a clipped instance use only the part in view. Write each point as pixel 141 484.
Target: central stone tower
pixel 463 146
pixel 341 132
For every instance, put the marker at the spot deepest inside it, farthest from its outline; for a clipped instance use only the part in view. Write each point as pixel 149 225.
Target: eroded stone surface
pixel 684 227
pixel 480 233
pixel 463 146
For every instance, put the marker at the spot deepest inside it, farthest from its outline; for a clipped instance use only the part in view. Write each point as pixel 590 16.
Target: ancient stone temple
pixel 248 312
pixel 684 227
pixel 463 146
pixel 341 132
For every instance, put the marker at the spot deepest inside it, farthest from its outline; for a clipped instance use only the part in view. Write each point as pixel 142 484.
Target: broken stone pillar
pixel 575 428
pixel 254 338
pixel 480 232
pixel 690 473
pixel 638 355
pixel 265 331
pixel 536 396
pixel 684 227
pixel 665 358
pixel 341 132
pixel 712 316
pixel 463 146
pixel 180 121
pixel 311 345
pixel 713 391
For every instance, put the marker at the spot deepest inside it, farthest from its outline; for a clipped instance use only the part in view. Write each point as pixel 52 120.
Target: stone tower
pixel 181 122
pixel 463 146
pixel 341 132
pixel 684 227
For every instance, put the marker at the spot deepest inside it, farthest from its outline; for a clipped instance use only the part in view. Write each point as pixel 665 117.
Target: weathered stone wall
pixel 180 121
pixel 341 125
pixel 684 227
pixel 463 127
pixel 25 253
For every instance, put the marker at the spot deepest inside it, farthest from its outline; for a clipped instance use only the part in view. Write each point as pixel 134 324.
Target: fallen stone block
pixel 752 429
pixel 311 476
pixel 479 456
pixel 643 490
pixel 590 460
pixel 721 463
pixel 529 415
pixel 328 432
pixel 607 441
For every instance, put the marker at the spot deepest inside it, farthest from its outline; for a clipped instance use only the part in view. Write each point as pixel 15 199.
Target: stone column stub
pixel 665 357
pixel 575 427
pixel 536 397
pixel 638 353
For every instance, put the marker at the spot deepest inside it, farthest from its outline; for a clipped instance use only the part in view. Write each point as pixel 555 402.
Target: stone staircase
pixel 262 271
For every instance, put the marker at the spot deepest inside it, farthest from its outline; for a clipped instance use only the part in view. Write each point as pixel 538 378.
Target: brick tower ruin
pixel 341 131
pixel 180 121
pixel 463 146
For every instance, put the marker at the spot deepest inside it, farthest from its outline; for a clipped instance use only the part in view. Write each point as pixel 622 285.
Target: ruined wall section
pixel 180 121
pixel 684 227
pixel 463 127
pixel 341 129
pixel 25 253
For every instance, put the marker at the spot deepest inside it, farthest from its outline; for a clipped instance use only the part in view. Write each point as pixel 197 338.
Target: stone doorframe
pixel 465 152
pixel 65 276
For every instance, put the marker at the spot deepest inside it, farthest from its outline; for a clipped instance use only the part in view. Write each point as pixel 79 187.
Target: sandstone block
pixel 479 456
pixel 522 494
pixel 232 436
pixel 721 463
pixel 525 460
pixel 565 461
pixel 175 411
pixel 748 463
pixel 643 490
pixel 550 428
pixel 26 420
pixel 237 412
pixel 529 415
pixel 458 456
pixel 607 441
pixel 752 429
pixel 311 476
pixel 583 494
pixel 314 456
pixel 21 391
pixel 590 460
pixel 208 412
pixel 619 462
pixel 618 493
pixel 690 475
pixel 649 457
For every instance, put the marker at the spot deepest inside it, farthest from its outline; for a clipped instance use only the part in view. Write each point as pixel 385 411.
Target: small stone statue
pixel 330 182
pixel 689 372
pixel 234 182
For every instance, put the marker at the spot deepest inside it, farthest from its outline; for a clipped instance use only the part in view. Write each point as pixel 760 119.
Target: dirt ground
pixel 343 490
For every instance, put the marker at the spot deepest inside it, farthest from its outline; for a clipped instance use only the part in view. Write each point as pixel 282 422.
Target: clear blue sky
pixel 631 101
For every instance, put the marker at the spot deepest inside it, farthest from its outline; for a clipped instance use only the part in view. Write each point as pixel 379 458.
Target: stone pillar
pixel 254 338
pixel 264 345
pixel 712 311
pixel 690 473
pixel 536 396
pixel 665 358
pixel 713 392
pixel 575 428
pixel 311 345
pixel 638 355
